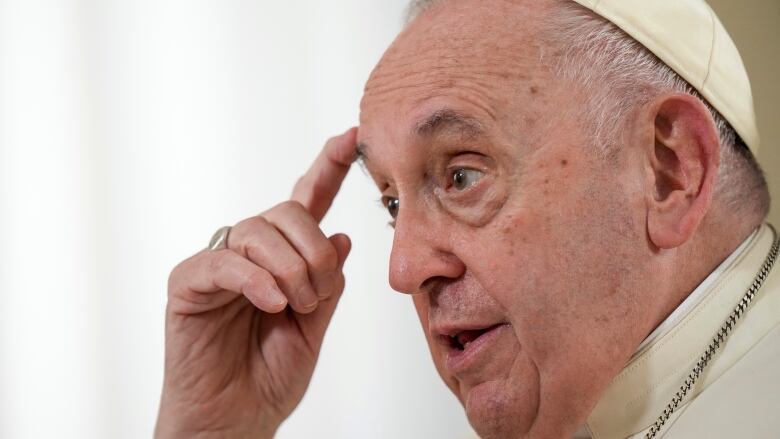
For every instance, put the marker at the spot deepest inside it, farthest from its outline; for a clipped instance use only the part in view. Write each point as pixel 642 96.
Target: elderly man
pixel 578 216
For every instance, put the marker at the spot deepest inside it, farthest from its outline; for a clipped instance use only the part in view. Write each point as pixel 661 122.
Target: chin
pixel 496 411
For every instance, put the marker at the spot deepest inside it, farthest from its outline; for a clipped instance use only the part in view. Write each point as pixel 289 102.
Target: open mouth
pixel 467 349
pixel 460 341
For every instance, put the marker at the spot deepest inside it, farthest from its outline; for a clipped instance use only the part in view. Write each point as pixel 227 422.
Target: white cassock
pixel 738 394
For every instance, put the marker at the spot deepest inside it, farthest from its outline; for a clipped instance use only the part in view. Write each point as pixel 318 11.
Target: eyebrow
pixel 448 121
pixel 441 122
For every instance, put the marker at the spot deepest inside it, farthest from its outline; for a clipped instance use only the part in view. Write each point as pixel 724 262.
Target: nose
pixel 421 251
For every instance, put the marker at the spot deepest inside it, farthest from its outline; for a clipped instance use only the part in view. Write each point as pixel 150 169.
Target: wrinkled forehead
pixel 476 54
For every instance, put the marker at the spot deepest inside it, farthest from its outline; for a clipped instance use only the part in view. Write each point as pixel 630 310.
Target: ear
pixel 683 160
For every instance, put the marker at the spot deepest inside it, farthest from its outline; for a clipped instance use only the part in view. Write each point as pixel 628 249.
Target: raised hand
pixel 244 325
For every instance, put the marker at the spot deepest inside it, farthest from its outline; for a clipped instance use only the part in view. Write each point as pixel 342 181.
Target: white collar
pixel 695 297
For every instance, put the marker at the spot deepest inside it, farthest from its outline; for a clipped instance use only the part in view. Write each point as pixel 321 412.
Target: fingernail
pixel 308 299
pixel 324 287
pixel 276 298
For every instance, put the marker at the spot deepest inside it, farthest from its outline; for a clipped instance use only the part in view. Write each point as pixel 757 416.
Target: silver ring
pixel 219 240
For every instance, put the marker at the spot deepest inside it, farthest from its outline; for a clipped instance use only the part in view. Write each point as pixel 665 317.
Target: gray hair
pixel 596 52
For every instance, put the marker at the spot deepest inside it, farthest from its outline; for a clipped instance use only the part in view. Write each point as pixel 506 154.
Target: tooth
pixel 466 345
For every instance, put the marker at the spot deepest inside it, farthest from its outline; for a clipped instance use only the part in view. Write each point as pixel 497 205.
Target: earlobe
pixel 683 159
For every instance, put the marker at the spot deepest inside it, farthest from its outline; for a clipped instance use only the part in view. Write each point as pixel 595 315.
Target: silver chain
pixel 719 338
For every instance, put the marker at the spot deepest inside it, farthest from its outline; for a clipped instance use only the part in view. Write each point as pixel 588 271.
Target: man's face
pixel 510 230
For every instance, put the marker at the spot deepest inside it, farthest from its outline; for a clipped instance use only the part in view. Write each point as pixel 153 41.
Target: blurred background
pixel 131 129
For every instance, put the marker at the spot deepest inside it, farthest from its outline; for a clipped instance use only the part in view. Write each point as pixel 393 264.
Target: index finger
pixel 317 188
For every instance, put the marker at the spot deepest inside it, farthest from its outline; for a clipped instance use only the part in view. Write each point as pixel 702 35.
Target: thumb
pixel 343 246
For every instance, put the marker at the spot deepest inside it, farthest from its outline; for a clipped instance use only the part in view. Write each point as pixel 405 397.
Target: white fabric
pixel 744 403
pixel 694 298
pixel 640 392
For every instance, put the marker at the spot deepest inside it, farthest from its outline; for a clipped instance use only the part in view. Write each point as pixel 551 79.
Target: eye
pixel 392 205
pixel 464 178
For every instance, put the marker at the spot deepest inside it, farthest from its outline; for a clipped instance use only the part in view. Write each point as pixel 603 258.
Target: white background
pixel 130 131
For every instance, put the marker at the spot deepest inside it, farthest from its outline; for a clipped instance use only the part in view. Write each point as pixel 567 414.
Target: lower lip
pixel 459 362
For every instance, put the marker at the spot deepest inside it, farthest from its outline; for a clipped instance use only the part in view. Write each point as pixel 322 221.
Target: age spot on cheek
pixel 564 163
pixel 513 224
pixel 508 230
pixel 510 225
pixel 513 233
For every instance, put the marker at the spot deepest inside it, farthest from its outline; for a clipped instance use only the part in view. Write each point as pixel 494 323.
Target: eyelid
pixel 469 160
pixel 468 156
pixel 384 199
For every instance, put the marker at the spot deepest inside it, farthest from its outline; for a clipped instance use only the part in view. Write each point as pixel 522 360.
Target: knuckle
pixel 292 206
pixel 250 225
pixel 253 246
pixel 331 141
pixel 243 236
pixel 258 279
pixel 324 258
pixel 241 225
pixel 217 261
pixel 294 272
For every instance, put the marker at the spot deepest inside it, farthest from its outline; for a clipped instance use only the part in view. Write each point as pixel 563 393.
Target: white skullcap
pixel 689 38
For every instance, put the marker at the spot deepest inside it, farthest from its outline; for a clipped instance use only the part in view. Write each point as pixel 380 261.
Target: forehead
pixel 479 53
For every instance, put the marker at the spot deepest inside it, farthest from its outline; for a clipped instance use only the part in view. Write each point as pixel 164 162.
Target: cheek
pixel 556 258
pixel 508 257
pixel 530 259
pixel 527 234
